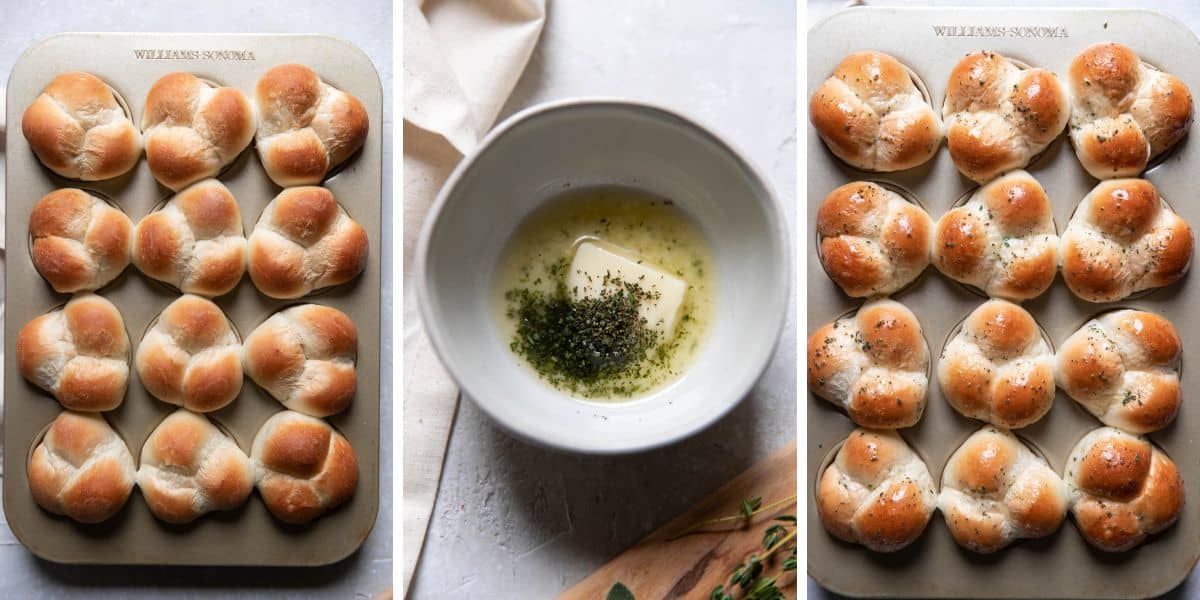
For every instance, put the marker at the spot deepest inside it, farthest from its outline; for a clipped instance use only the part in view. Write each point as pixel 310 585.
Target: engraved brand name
pixel 175 54
pixel 1000 31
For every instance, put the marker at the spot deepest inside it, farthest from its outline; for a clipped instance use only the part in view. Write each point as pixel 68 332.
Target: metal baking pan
pixel 931 42
pixel 131 63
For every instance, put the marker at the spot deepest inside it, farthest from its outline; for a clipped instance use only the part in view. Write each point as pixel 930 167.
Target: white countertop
pixel 367 23
pixel 1184 10
pixel 516 521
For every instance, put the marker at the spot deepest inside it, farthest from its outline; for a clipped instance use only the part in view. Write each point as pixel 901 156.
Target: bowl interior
pixel 539 154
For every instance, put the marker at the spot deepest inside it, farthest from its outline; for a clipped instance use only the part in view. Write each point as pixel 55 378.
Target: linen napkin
pixel 461 61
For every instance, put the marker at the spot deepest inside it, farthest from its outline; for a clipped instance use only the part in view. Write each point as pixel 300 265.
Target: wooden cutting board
pixel 692 565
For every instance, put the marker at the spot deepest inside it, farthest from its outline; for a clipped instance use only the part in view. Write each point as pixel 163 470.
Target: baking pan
pixel 131 63
pixel 931 42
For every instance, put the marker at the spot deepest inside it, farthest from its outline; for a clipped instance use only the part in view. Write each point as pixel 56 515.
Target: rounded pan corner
pixel 828 586
pixel 1166 16
pixel 342 554
pixel 837 14
pixel 1172 583
pixel 15 528
pixel 356 49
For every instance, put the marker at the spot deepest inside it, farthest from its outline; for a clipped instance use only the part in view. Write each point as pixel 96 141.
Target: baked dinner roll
pixel 872 241
pixel 999 116
pixel 190 468
pixel 1123 367
pixel 305 468
pixel 995 490
pixel 874 364
pixel 194 242
pixel 877 492
pixel 304 357
pixel 1125 112
pixel 79 353
pixel 307 127
pixel 194 128
pixel 305 241
pixel 81 468
pixel 998 368
pixel 871 115
pixel 79 242
pixel 1122 239
pixel 79 130
pixel 1002 240
pixel 190 356
pixel 1123 489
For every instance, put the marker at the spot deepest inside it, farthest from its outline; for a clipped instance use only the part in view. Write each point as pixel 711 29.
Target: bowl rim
pixel 772 206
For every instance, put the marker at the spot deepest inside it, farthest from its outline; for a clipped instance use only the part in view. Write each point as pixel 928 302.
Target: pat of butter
pixel 593 262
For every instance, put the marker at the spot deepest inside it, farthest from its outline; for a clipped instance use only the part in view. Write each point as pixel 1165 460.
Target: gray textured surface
pixel 1187 11
pixel 365 22
pixel 513 520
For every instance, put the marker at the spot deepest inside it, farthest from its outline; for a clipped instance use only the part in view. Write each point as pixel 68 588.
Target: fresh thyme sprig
pixel 749 575
pixel 749 508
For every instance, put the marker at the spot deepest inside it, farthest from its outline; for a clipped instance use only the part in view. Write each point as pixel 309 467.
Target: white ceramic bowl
pixel 532 157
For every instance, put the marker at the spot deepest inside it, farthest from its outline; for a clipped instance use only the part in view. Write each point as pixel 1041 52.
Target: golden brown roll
pixel 872 241
pixel 1125 112
pixel 194 128
pixel 194 242
pixel 874 364
pixel 190 468
pixel 305 241
pixel 877 492
pixel 1123 489
pixel 871 115
pixel 77 129
pixel 190 356
pixel 80 243
pixel 304 357
pixel 1000 116
pixel 997 368
pixel 1123 239
pixel 307 127
pixel 79 353
pixel 1001 240
pixel 1123 367
pixel 995 491
pixel 81 468
pixel 305 468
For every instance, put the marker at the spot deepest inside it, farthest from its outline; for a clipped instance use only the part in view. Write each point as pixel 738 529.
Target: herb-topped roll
pixel 995 490
pixel 873 364
pixel 1123 367
pixel 1000 115
pixel 1002 240
pixel 1123 239
pixel 871 115
pixel 877 492
pixel 998 368
pixel 1123 489
pixel 872 241
pixel 1126 112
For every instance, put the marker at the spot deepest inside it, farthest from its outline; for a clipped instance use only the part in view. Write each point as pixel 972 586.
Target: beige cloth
pixel 461 61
